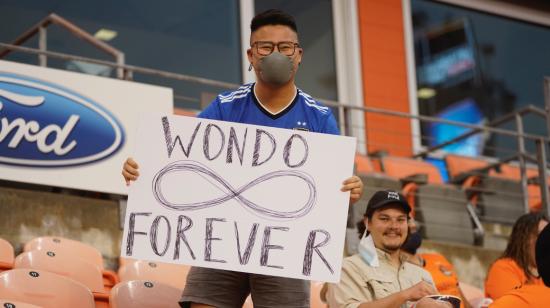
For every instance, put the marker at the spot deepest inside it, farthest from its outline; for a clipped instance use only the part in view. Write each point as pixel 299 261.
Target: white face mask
pixel 367 250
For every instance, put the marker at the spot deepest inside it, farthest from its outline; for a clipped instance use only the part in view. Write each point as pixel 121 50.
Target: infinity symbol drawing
pixel 231 192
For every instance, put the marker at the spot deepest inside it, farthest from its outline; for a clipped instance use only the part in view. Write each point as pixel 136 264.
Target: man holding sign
pixel 273 101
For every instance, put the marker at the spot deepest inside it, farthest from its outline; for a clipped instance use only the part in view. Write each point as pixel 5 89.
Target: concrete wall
pixel 26 214
pixel 471 263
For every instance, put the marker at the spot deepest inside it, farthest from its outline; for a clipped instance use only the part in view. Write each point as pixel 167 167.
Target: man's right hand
pixel 130 170
pixel 420 290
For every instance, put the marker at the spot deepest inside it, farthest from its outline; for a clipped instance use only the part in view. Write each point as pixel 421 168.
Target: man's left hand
pixel 355 186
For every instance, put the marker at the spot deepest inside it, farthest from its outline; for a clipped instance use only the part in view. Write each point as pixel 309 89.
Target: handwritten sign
pixel 239 197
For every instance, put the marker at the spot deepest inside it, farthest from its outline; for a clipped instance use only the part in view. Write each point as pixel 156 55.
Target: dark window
pixel 475 67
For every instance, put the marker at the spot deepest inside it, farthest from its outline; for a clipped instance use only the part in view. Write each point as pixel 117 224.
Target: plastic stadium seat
pixel 122 261
pixel 144 294
pixel 507 171
pixel 185 112
pixel 86 273
pixel 511 172
pixel 77 269
pixel 458 165
pixel 6 255
pixel 170 274
pixel 402 167
pixel 44 289
pixel 373 181
pixel 442 209
pixel 66 246
pixel 74 248
pixel 363 164
pixel 496 192
pixel 6 303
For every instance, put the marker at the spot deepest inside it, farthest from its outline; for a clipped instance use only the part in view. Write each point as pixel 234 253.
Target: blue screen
pixel 465 111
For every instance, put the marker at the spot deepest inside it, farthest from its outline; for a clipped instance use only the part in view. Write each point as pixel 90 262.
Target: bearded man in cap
pixel 379 276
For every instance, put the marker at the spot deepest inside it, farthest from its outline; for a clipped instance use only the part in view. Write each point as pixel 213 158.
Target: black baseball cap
pixel 382 198
pixel 542 255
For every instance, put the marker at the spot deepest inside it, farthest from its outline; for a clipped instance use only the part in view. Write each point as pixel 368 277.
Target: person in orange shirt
pixel 532 295
pixel 517 266
pixel 442 271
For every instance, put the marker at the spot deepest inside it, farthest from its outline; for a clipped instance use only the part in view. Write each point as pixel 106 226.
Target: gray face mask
pixel 276 68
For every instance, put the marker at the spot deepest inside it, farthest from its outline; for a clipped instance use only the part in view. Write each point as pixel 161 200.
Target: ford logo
pixel 43 124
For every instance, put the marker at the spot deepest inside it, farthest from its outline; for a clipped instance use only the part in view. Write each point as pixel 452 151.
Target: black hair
pixel 273 17
pixel 361 227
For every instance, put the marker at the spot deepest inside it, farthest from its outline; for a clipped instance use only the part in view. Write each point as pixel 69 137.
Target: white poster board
pixel 69 129
pixel 239 197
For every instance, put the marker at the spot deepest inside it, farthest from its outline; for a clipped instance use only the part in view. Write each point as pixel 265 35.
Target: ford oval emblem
pixel 43 124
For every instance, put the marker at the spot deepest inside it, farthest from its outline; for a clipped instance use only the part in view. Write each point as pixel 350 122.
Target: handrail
pixel 507 117
pixel 344 109
pixel 58 20
pixel 330 103
pixel 126 67
pixel 40 28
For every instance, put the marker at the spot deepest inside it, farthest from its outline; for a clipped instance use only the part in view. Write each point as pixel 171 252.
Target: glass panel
pixel 317 74
pixel 476 67
pixel 198 38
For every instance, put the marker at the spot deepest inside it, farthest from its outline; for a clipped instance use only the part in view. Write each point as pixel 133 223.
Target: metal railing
pixel 125 71
pixel 41 29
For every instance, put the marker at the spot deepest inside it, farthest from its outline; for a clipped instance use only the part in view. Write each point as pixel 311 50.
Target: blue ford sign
pixel 43 124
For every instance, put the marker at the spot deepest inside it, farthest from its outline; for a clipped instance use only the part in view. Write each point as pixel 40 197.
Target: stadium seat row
pixel 59 272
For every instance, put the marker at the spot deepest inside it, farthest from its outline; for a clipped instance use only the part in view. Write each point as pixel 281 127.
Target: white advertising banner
pixel 239 197
pixel 68 129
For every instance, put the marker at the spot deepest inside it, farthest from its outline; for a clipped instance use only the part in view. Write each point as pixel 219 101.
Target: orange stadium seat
pixel 496 191
pixel 403 167
pixel 7 303
pixel 77 269
pixel 373 181
pixel 363 164
pixel 465 171
pixel 6 255
pixel 144 294
pixel 458 165
pixel 67 246
pixel 122 261
pixel 185 112
pixel 170 274
pixel 513 173
pixel 442 209
pixel 44 289
pixel 74 248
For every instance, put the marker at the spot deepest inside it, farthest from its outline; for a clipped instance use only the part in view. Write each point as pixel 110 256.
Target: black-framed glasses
pixel 266 48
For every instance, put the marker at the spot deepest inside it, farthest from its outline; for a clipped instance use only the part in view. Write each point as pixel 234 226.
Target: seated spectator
pixel 379 276
pixel 517 267
pixel 532 295
pixel 441 270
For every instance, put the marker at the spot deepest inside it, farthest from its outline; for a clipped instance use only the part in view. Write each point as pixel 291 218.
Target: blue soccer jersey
pixel 242 106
